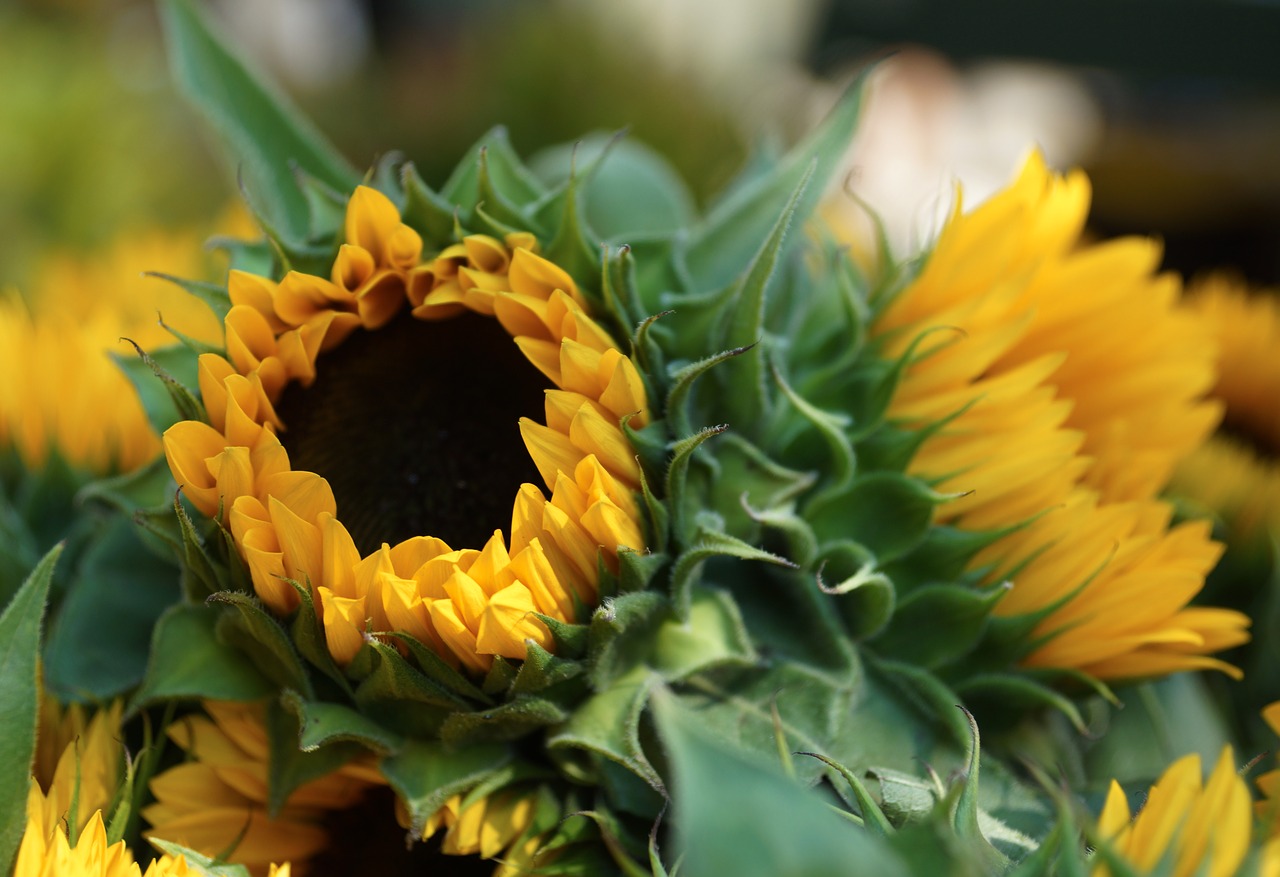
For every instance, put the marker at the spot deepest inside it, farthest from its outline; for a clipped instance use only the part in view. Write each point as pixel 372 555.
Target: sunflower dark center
pixel 415 426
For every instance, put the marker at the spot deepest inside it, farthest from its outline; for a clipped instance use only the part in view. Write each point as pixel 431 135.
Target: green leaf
pixel 214 295
pixel 189 661
pixel 117 580
pixel 265 137
pixel 255 632
pixel 632 192
pixel 20 699
pixel 718 791
pixel 425 774
pixel 425 210
pixel 712 543
pixel 308 636
pixel 321 723
pixel 725 242
pixel 619 634
pixel 288 766
pixel 198 863
pixel 541 670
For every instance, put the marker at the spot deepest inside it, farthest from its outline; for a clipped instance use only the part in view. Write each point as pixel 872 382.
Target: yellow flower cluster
pixel 1062 423
pixel 470 603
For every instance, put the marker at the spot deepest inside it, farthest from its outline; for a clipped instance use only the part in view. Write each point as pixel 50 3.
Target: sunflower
pixel 1237 474
pixel 216 802
pixel 78 770
pixel 1199 827
pixel 1060 425
pixel 61 393
pixel 491 827
pixel 414 380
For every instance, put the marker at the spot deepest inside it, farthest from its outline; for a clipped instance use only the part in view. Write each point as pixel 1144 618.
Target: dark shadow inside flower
pixel 416 428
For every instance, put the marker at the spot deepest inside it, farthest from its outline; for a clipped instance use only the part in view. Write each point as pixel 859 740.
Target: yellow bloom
pixel 469 604
pixel 1238 475
pixel 216 802
pixel 1064 422
pixel 488 828
pixel 1269 783
pixel 1200 828
pixel 59 391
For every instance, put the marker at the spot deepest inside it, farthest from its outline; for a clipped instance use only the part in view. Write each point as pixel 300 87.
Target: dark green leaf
pixel 20 699
pixel 509 721
pixel 608 724
pixel 712 635
pixel 321 723
pixel 425 774
pixel 936 624
pixel 289 766
pixel 251 629
pixel 886 512
pixel 188 661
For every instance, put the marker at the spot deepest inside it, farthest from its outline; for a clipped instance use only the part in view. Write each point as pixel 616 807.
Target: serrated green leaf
pixel 250 628
pixel 263 134
pixel 718 790
pixel 321 723
pixel 509 721
pixel 189 661
pixel 425 774
pixel 20 698
pixel 116 579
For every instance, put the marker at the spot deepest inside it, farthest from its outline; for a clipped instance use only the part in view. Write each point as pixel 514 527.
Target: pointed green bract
pixel 188 661
pixel 20 698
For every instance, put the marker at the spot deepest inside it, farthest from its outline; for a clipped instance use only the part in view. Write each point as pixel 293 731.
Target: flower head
pixel 1060 425
pixel 373 569
pixel 1199 827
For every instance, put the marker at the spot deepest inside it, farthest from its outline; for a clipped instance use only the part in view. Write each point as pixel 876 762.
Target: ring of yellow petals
pixel 1068 395
pixel 468 604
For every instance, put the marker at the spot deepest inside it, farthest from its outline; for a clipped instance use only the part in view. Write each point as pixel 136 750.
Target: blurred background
pixel 1173 106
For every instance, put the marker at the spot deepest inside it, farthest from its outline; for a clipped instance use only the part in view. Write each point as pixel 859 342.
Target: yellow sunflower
pixel 77 772
pixel 1199 827
pixel 60 391
pixel 216 802
pixel 1069 386
pixel 488 828
pixel 1238 474
pixel 412 385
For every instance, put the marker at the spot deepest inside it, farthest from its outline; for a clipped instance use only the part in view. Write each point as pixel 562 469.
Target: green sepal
pixel 809 632
pixel 646 352
pixel 264 134
pixel 570 639
pixel 717 790
pixel 637 570
pixel 865 596
pixel 710 543
pixel 438 670
pixel 426 211
pixel 327 206
pixel 189 661
pixel 289 766
pixel 308 636
pixel 167 400
pixel 425 774
pixel 198 864
pixel 20 698
pixel 651 445
pixel 943 556
pixel 618 634
pixel 256 256
pixel 870 811
pixel 678 408
pixel 712 635
pixel 572 244
pixel 937 624
pixel 116 579
pixel 252 630
pixel 146 487
pixel 659 518
pixel 886 512
pixel 723 244
pixel 214 295
pixel 516 718
pixel 321 723
pixel 502 167
pixel 608 724
pixel 391 680
pixel 965 814
pixel 541 670
pixel 623 849
pixel 501 675
pixel 838 472
pixel 743 478
pixel 202 576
